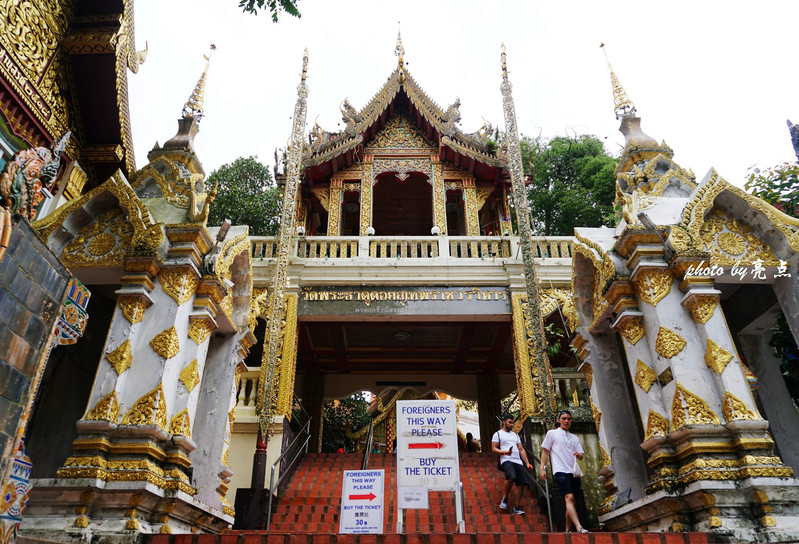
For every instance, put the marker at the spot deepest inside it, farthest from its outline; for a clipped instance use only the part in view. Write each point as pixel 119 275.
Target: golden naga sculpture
pixel 24 177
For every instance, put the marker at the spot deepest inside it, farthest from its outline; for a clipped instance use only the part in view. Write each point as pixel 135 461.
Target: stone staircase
pixel 308 512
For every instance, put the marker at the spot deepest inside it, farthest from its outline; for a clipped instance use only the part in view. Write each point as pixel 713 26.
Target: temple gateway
pixel 164 376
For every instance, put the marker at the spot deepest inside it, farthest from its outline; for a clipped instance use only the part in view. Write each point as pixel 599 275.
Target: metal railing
pixel 303 449
pixel 367 451
pixel 532 478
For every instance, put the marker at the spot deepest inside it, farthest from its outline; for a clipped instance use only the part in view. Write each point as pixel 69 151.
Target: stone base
pixel 750 510
pixel 95 511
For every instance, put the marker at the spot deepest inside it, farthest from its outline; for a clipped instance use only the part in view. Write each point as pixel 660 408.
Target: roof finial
pixel 622 104
pixel 194 105
pixel 504 64
pixel 399 50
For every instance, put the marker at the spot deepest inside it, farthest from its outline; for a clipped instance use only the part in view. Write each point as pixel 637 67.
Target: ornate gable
pixel 399 135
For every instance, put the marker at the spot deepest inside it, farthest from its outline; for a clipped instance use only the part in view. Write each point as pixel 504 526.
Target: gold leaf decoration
pixel 653 284
pixel 190 376
pixel 716 357
pixel 148 410
pixel 669 343
pixel 133 308
pixel 644 376
pixel 734 408
pixel 200 329
pixel 631 329
pixel 690 409
pixel 597 415
pixel 702 307
pixel 606 460
pixel 656 425
pixel 181 424
pixel 166 343
pixel 178 283
pixel 225 456
pixel 120 358
pixel 106 409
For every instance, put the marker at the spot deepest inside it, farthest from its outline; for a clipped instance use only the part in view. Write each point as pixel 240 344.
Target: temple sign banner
pixel 427 444
pixel 362 502
pixel 321 301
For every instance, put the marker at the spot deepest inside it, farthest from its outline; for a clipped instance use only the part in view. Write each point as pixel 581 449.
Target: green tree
pixel 573 184
pixel 779 186
pixel 275 7
pixel 340 416
pixel 247 196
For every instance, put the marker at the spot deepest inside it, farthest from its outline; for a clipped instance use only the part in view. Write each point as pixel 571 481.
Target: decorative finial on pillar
pixel 504 64
pixel 194 105
pixel 305 65
pixel 399 50
pixel 622 104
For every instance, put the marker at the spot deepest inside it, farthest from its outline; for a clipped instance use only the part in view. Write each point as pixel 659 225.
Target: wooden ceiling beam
pixel 339 348
pixel 497 347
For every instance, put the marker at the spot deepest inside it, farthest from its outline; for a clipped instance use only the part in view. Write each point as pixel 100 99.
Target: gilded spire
pixel 399 50
pixel 194 105
pixel 622 104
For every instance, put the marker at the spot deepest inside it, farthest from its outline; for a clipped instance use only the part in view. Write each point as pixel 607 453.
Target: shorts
pixel 567 483
pixel 514 471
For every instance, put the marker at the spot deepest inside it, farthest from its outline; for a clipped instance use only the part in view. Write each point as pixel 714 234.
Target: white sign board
pixel 413 498
pixel 427 444
pixel 362 502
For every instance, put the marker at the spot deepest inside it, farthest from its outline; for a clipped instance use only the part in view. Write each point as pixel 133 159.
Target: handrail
pixel 367 452
pixel 272 483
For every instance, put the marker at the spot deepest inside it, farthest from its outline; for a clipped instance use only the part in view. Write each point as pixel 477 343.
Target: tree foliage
pixel 247 196
pixel 275 7
pixel 779 186
pixel 573 184
pixel 341 415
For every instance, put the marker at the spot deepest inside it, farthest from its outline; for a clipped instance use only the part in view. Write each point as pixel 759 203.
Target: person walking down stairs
pixel 507 445
pixel 565 450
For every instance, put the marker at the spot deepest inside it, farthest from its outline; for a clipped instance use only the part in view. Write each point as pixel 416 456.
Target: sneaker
pixel 520 511
pixel 503 504
pixel 582 530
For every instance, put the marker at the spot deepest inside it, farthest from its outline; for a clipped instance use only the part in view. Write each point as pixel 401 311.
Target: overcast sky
pixel 715 80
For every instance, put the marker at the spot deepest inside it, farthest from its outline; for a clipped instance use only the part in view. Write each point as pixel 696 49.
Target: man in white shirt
pixel 565 449
pixel 507 444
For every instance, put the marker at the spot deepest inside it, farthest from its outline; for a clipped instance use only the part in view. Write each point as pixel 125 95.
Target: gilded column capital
pixel 630 325
pixel 179 282
pixel 701 304
pixel 652 284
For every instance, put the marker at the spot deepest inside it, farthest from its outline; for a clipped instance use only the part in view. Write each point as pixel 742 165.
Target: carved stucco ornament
pixel 178 283
pixel 702 307
pixel 716 357
pixel 632 329
pixel 644 376
pixel 734 408
pixel 166 343
pixel 597 415
pixel 150 409
pixel 606 460
pixel 679 239
pixel 181 424
pixel 689 409
pixel 669 343
pixel 133 308
pixel 120 358
pixel 200 329
pixel 653 284
pixel 190 376
pixel 106 409
pixel 656 425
